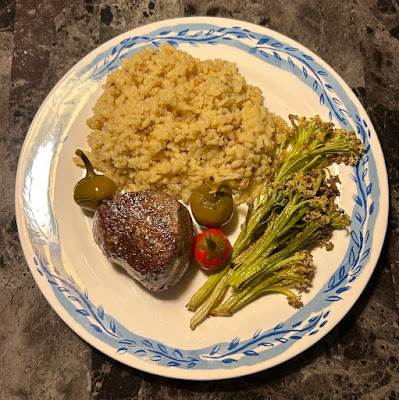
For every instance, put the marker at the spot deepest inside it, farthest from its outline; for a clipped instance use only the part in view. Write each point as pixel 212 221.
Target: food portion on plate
pixel 213 205
pixel 296 209
pixel 170 129
pixel 212 249
pixel 149 233
pixel 93 189
pixel 168 121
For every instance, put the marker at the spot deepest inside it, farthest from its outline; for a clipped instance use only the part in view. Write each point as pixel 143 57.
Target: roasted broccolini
pixel 295 209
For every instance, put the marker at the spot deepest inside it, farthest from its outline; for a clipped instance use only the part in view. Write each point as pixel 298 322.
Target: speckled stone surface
pixel 40 357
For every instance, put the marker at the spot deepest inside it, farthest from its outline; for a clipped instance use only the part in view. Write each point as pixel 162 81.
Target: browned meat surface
pixel 149 233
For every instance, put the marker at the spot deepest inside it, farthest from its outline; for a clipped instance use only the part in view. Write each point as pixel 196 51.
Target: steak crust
pixel 149 233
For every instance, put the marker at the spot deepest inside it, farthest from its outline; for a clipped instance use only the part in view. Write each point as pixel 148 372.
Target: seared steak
pixel 149 233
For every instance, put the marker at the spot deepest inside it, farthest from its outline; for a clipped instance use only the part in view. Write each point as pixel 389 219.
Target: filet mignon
pixel 149 233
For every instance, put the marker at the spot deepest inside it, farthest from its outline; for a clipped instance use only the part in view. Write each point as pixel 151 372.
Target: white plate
pixel 151 331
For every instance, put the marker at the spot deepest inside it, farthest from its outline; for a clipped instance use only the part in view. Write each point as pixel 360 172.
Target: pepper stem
pixel 228 184
pixel 88 166
pixel 209 241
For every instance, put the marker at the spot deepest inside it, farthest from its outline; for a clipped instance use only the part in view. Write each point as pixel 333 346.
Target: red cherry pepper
pixel 212 249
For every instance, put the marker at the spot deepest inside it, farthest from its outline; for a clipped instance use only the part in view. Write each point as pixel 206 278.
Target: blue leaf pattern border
pixel 105 327
pixel 264 48
pixel 311 319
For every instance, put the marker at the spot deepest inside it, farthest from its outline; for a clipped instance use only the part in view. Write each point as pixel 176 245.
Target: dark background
pixel 40 357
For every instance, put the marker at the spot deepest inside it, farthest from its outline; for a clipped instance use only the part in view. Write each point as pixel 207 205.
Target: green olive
pixel 93 189
pixel 212 206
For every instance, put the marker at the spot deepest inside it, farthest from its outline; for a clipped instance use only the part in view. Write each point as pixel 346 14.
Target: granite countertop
pixel 40 356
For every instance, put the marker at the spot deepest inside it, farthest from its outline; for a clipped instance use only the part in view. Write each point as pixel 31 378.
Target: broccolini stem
pixel 214 297
pixel 253 222
pixel 274 272
pixel 206 289
pixel 264 288
pixel 311 234
pixel 291 214
pixel 239 298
